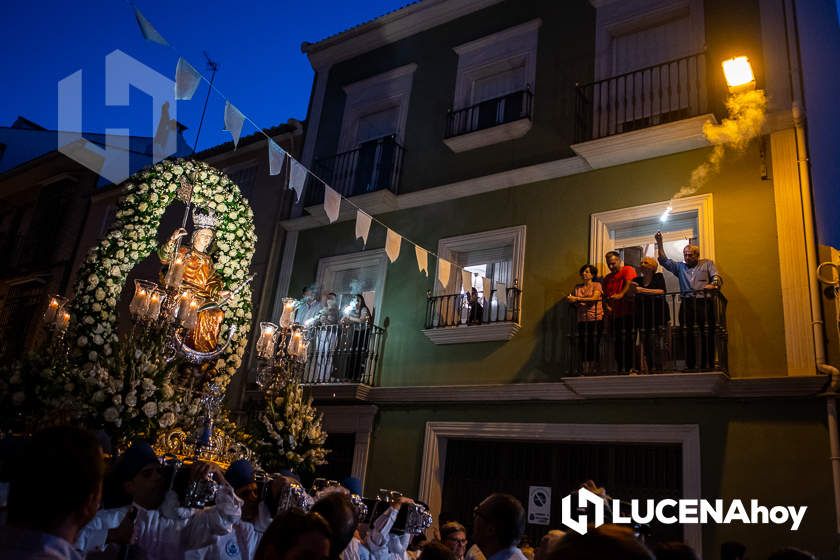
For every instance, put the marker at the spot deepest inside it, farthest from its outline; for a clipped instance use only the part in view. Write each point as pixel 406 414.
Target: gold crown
pixel 204 220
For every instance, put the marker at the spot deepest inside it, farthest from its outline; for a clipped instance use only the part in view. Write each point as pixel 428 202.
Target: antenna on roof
pixel 212 66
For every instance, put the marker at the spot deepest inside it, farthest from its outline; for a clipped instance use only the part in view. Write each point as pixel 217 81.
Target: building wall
pixel 748 450
pixel 557 215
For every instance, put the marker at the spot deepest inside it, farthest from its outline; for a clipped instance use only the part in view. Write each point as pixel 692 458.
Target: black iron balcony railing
pixel 343 353
pixel 493 112
pixel 455 310
pixel 374 166
pixel 673 332
pixel 659 94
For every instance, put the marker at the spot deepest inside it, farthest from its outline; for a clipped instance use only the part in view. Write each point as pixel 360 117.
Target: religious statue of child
pixel 200 277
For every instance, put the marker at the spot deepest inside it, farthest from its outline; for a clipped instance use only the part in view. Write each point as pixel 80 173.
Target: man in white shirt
pixel 498 525
pixel 159 527
pixel 383 544
pixel 307 308
pixel 46 511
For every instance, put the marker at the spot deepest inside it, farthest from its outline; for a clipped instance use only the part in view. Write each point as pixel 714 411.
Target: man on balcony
pixel 699 282
pixel 619 305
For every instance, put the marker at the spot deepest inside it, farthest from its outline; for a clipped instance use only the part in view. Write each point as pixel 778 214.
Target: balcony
pixel 343 353
pixel 374 166
pixel 451 319
pixel 490 122
pixel 660 94
pixel 670 333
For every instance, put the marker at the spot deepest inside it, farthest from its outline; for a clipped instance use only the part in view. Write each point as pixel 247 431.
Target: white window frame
pixel 380 92
pixel 476 58
pixel 616 18
pixel 329 266
pixel 602 223
pixel 474 241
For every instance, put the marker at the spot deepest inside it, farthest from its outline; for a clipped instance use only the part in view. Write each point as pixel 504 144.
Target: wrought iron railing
pixel 492 112
pixel 343 353
pixel 455 310
pixel 673 332
pixel 374 166
pixel 667 92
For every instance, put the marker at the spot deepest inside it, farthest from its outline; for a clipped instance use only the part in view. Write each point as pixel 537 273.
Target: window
pixel 357 273
pixel 496 65
pixel 376 107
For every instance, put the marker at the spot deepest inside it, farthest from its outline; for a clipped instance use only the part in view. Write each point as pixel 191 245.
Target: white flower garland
pixel 133 236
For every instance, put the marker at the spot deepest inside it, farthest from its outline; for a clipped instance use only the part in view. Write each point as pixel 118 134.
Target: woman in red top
pixel 586 297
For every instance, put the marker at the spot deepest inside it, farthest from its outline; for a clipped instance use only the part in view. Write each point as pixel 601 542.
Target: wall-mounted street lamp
pixel 739 74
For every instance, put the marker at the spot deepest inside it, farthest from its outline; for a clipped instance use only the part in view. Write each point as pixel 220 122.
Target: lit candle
pixel 192 314
pixel 183 309
pixel 265 344
pixel 295 344
pixel 140 301
pixel 287 318
pixel 62 320
pixel 175 273
pixel 52 310
pixel 153 311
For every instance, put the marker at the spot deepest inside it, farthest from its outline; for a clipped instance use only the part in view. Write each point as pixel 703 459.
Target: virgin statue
pixel 200 277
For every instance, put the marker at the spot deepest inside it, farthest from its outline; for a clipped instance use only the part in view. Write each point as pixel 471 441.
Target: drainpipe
pixel 817 324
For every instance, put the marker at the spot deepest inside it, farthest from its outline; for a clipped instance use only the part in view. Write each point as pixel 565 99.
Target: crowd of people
pixel 632 309
pixel 65 503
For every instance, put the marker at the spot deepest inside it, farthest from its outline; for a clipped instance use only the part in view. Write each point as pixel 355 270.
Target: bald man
pixel 699 283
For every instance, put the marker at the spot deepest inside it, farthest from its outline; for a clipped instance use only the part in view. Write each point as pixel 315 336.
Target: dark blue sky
pixel 256 43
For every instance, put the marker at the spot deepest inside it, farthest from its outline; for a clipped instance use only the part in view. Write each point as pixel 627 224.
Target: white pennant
pixel 362 225
pixel 297 177
pixel 234 120
pixel 332 203
pixel 422 259
pixel 148 30
pixel 466 280
pixel 501 293
pixel 443 272
pixel 392 245
pixel 488 288
pixel 276 157
pixel 187 79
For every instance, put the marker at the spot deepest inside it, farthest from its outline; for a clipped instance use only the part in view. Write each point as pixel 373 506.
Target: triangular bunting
pixel 362 226
pixel 443 267
pixel 422 259
pixel 501 293
pixel 234 120
pixel 370 299
pixel 276 157
pixel 487 284
pixel 466 280
pixel 392 245
pixel 148 30
pixel 187 79
pixel 332 203
pixel 297 177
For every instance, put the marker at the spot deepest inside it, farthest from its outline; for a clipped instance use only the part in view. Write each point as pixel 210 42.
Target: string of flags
pixel 187 81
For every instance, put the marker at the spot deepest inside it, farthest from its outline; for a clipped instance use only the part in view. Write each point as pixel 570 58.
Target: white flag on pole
pixel 362 226
pixel 187 79
pixel 234 120
pixel 332 203
pixel 422 259
pixel 392 245
pixel 276 157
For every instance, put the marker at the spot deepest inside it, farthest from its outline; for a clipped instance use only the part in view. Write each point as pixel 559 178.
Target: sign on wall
pixel 539 505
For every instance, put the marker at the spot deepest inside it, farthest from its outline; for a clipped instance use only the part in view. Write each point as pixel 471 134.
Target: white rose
pixel 111 414
pixel 92 356
pixel 167 391
pixel 96 307
pixel 142 206
pixel 150 409
pixel 99 396
pixel 98 340
pixel 88 320
pixel 120 254
pixel 177 169
pixel 82 341
pixel 117 400
pixel 68 387
pixel 131 400
pixel 93 280
pixel 99 294
pixel 167 419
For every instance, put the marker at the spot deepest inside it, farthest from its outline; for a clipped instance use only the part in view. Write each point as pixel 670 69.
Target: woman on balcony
pixel 326 338
pixel 586 297
pixel 357 320
pixel 652 315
